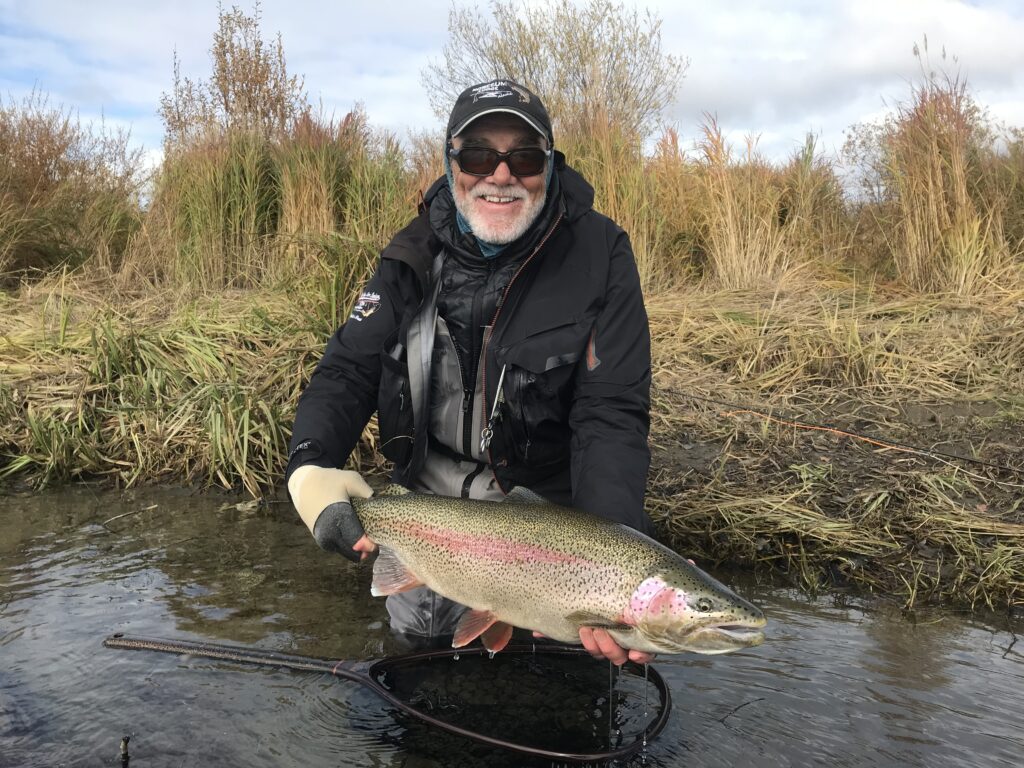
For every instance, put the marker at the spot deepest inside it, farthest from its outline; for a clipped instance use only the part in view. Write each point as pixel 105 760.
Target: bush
pixel 67 192
pixel 249 89
pixel 580 60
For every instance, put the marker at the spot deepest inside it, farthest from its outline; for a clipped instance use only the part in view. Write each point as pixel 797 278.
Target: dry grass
pixel 162 389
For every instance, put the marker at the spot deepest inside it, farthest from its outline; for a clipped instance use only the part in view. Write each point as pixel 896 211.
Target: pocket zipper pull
pixel 488 432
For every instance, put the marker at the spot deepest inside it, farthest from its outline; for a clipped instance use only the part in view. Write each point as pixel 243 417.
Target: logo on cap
pixel 499 89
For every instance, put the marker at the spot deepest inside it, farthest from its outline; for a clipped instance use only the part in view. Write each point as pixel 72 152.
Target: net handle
pixel 363 674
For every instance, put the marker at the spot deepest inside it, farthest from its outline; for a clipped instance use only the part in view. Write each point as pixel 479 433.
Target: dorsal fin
pixel 523 495
pixel 393 489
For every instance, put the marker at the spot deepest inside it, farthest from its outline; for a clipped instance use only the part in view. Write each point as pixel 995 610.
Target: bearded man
pixel 502 341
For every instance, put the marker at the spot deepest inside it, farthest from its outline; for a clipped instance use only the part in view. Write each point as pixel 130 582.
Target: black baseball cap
pixel 502 95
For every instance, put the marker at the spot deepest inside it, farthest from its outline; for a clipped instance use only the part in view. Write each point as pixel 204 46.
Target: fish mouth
pixel 742 634
pixel 708 638
pixel 714 638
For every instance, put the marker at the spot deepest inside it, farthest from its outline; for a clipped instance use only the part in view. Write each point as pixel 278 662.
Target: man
pixel 502 340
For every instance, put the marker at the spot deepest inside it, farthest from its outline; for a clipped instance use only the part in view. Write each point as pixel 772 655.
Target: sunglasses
pixel 482 161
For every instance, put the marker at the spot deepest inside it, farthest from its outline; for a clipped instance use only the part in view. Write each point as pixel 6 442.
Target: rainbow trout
pixel 527 563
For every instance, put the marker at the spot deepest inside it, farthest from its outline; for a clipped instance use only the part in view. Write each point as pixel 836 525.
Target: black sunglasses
pixel 483 161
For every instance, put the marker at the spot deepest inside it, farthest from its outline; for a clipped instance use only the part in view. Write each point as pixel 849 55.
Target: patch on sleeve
pixel 367 303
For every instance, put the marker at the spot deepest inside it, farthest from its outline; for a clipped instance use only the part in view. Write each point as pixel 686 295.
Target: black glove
pixel 338 529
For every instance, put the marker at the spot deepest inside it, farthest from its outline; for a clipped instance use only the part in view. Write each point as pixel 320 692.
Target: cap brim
pixel 521 115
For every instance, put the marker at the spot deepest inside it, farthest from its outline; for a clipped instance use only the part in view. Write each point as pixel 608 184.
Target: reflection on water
pixel 833 685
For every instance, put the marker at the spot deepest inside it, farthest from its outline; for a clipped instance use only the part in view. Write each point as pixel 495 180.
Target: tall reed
pixel 813 209
pixel 940 190
pixel 216 206
pixel 949 234
pixel 744 240
pixel 240 209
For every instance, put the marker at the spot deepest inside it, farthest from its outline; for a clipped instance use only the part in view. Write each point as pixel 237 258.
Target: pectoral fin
pixel 596 621
pixel 390 576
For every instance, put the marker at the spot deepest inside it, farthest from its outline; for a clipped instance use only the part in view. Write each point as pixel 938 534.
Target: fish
pixel 524 562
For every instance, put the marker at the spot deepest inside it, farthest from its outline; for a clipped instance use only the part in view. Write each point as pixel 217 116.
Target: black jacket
pixel 569 329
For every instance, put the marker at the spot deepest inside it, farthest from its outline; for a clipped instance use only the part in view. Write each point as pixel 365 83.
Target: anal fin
pixel 496 636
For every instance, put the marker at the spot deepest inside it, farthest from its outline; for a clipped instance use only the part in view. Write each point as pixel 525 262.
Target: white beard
pixel 491 229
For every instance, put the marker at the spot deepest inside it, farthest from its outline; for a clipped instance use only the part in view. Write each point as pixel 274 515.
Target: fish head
pixel 684 609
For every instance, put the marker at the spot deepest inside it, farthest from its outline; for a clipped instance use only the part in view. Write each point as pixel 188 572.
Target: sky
pixel 774 70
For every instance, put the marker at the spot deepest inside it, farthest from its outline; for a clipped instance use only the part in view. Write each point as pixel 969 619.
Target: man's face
pixel 500 207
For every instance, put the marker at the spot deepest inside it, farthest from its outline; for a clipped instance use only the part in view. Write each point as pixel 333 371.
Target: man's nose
pixel 501 174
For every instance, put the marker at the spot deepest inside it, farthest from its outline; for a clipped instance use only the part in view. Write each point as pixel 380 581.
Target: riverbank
pixel 841 436
pixel 866 440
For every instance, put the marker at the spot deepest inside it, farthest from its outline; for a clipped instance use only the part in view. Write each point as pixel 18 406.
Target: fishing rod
pixel 738 408
pixel 369 674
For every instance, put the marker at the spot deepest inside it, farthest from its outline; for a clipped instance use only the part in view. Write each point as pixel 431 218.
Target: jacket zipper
pixel 488 429
pixel 467 401
pixel 475 356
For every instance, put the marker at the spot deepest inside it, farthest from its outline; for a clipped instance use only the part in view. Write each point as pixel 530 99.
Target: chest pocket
pixel 538 386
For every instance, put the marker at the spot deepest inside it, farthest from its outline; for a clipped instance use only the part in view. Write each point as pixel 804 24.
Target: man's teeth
pixel 496 199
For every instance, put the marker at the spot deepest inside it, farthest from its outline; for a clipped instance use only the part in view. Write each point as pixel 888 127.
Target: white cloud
pixel 776 69
pixel 822 67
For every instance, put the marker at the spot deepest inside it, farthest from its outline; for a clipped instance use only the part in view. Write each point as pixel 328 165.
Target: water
pixel 838 683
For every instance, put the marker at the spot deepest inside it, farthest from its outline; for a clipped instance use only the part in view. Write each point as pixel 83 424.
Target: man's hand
pixel 600 645
pixel 322 496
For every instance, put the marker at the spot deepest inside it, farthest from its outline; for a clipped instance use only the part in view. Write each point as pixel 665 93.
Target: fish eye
pixel 704 605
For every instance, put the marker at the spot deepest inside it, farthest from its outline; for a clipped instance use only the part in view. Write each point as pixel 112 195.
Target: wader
pixel 420 617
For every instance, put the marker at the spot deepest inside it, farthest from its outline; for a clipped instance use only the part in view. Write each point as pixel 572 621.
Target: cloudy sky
pixel 775 69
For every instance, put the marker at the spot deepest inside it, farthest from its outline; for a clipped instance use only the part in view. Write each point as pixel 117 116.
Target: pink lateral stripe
pixel 490 548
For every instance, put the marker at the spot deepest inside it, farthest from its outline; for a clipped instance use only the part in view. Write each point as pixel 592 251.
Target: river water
pixel 839 681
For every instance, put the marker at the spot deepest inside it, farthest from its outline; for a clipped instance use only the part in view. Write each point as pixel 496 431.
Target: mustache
pixel 516 191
